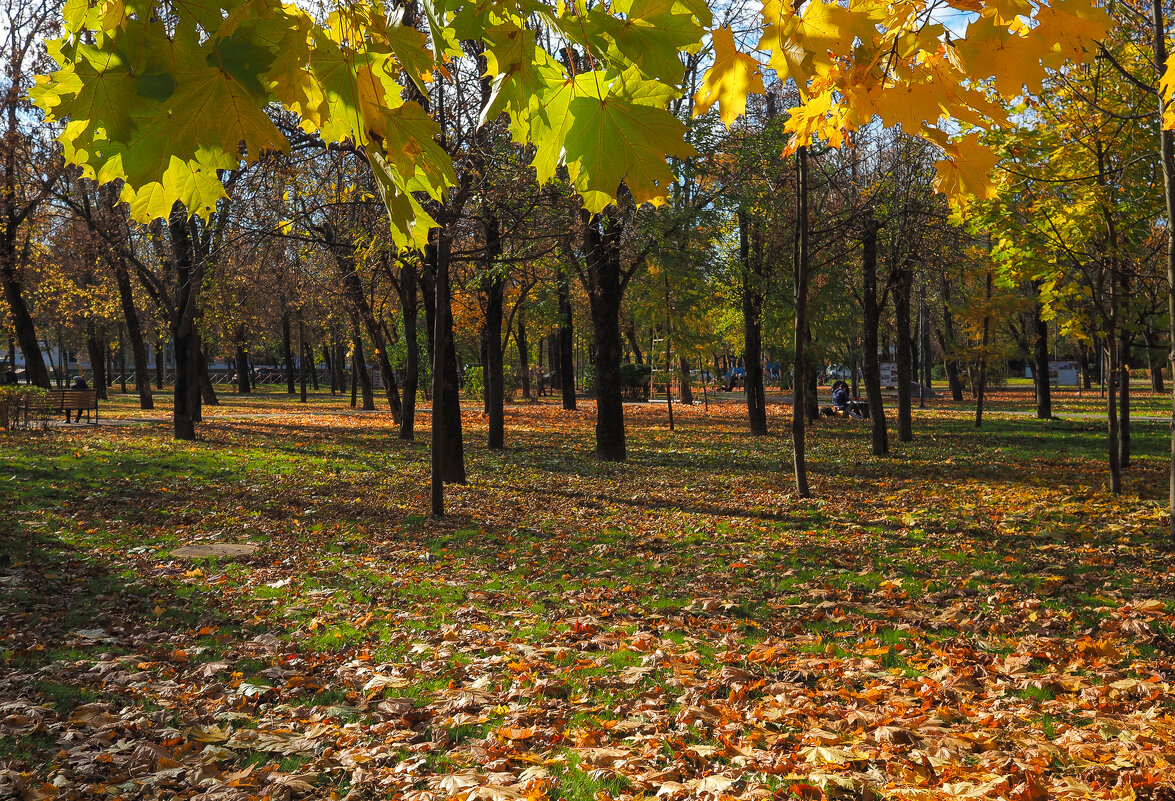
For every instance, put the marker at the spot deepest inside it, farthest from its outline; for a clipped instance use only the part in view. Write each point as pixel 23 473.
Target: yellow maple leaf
pixel 733 76
pixel 966 172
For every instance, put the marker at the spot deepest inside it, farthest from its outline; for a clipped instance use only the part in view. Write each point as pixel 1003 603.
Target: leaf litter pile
pixel 974 617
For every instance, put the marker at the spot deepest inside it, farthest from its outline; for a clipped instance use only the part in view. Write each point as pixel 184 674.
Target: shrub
pixel 24 407
pixel 634 380
pixel 475 383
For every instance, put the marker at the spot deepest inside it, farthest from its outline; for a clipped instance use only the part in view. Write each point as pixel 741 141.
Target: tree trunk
pixel 412 350
pixel 97 351
pixel 1155 363
pixel 872 363
pixel 494 284
pixel 359 366
pixel 1112 414
pixel 288 351
pixel 523 353
pixel 448 456
pixel 687 392
pixel 946 341
pixel 566 340
pixel 751 255
pixel 602 249
pixel 312 365
pixel 1040 353
pixel 160 356
pixel 135 335
pixel 353 288
pixel 244 382
pixel 328 361
pixel 800 332
pixel 121 362
pixel 1167 158
pixel 981 385
pixel 633 343
pixel 1123 405
pixel 902 289
pixel 301 360
pixel 22 320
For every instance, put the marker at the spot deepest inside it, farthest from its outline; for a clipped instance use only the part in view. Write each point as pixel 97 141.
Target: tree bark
pixel 97 351
pixel 288 350
pixel 134 333
pixel 1040 354
pixel 880 436
pixel 523 353
pixel 301 360
pixel 566 340
pixel 981 386
pixel 602 249
pixel 448 455
pixel 186 401
pixel 244 384
pixel 751 256
pixel 409 308
pixel 494 284
pixel 359 366
pixel 687 392
pixel 902 290
pixel 800 332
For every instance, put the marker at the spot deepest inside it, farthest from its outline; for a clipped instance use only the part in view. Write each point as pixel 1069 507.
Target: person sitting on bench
pixel 840 397
pixel 79 383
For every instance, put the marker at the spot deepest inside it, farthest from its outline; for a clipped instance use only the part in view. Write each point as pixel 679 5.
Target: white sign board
pixel 1064 374
pixel 889 374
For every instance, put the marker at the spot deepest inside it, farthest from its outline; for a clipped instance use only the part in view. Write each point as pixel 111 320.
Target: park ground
pixel 974 616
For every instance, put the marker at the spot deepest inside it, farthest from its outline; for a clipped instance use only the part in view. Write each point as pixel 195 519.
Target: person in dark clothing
pixel 10 379
pixel 840 397
pixel 79 383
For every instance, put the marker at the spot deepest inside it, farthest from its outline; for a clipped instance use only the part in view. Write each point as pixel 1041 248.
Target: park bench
pixel 78 400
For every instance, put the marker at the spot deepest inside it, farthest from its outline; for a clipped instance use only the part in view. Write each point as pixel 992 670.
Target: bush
pixel 634 381
pixel 24 407
pixel 475 383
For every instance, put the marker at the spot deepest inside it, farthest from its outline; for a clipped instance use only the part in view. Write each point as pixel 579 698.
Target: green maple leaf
pixel 652 35
pixel 624 136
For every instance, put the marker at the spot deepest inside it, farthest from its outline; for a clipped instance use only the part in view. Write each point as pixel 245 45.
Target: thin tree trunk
pixel 687 392
pixel 288 350
pixel 495 288
pixel 1040 351
pixel 902 289
pixel 523 353
pixel 121 362
pixel 1167 158
pixel 96 349
pixel 566 340
pixel 160 355
pixel 328 361
pixel 800 332
pixel 880 436
pixel 244 384
pixel 751 256
pixel 359 367
pixel 301 360
pixel 981 386
pixel 408 305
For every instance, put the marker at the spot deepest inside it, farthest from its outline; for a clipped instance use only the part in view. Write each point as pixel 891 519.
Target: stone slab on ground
pixel 206 549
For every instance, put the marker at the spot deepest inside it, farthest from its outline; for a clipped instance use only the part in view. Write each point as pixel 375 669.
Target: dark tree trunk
pixel 633 343
pixel 22 320
pixel 359 366
pixel 412 350
pixel 800 332
pixel 494 285
pixel 97 351
pixel 301 360
pixel 448 452
pixel 203 380
pixel 1040 357
pixel 121 363
pixel 353 288
pixel 312 366
pixel 160 357
pixel 523 353
pixel 186 402
pixel 946 341
pixel 1112 414
pixel 751 255
pixel 288 351
pixel 902 289
pixel 1155 363
pixel 244 382
pixel 981 385
pixel 872 363
pixel 329 362
pixel 687 392
pixel 605 291
pixel 135 334
pixel 566 341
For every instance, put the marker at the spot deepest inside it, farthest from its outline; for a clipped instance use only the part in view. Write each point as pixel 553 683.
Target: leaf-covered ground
pixel 974 617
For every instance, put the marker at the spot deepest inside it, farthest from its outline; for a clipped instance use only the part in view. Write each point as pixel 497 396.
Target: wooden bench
pixel 75 400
